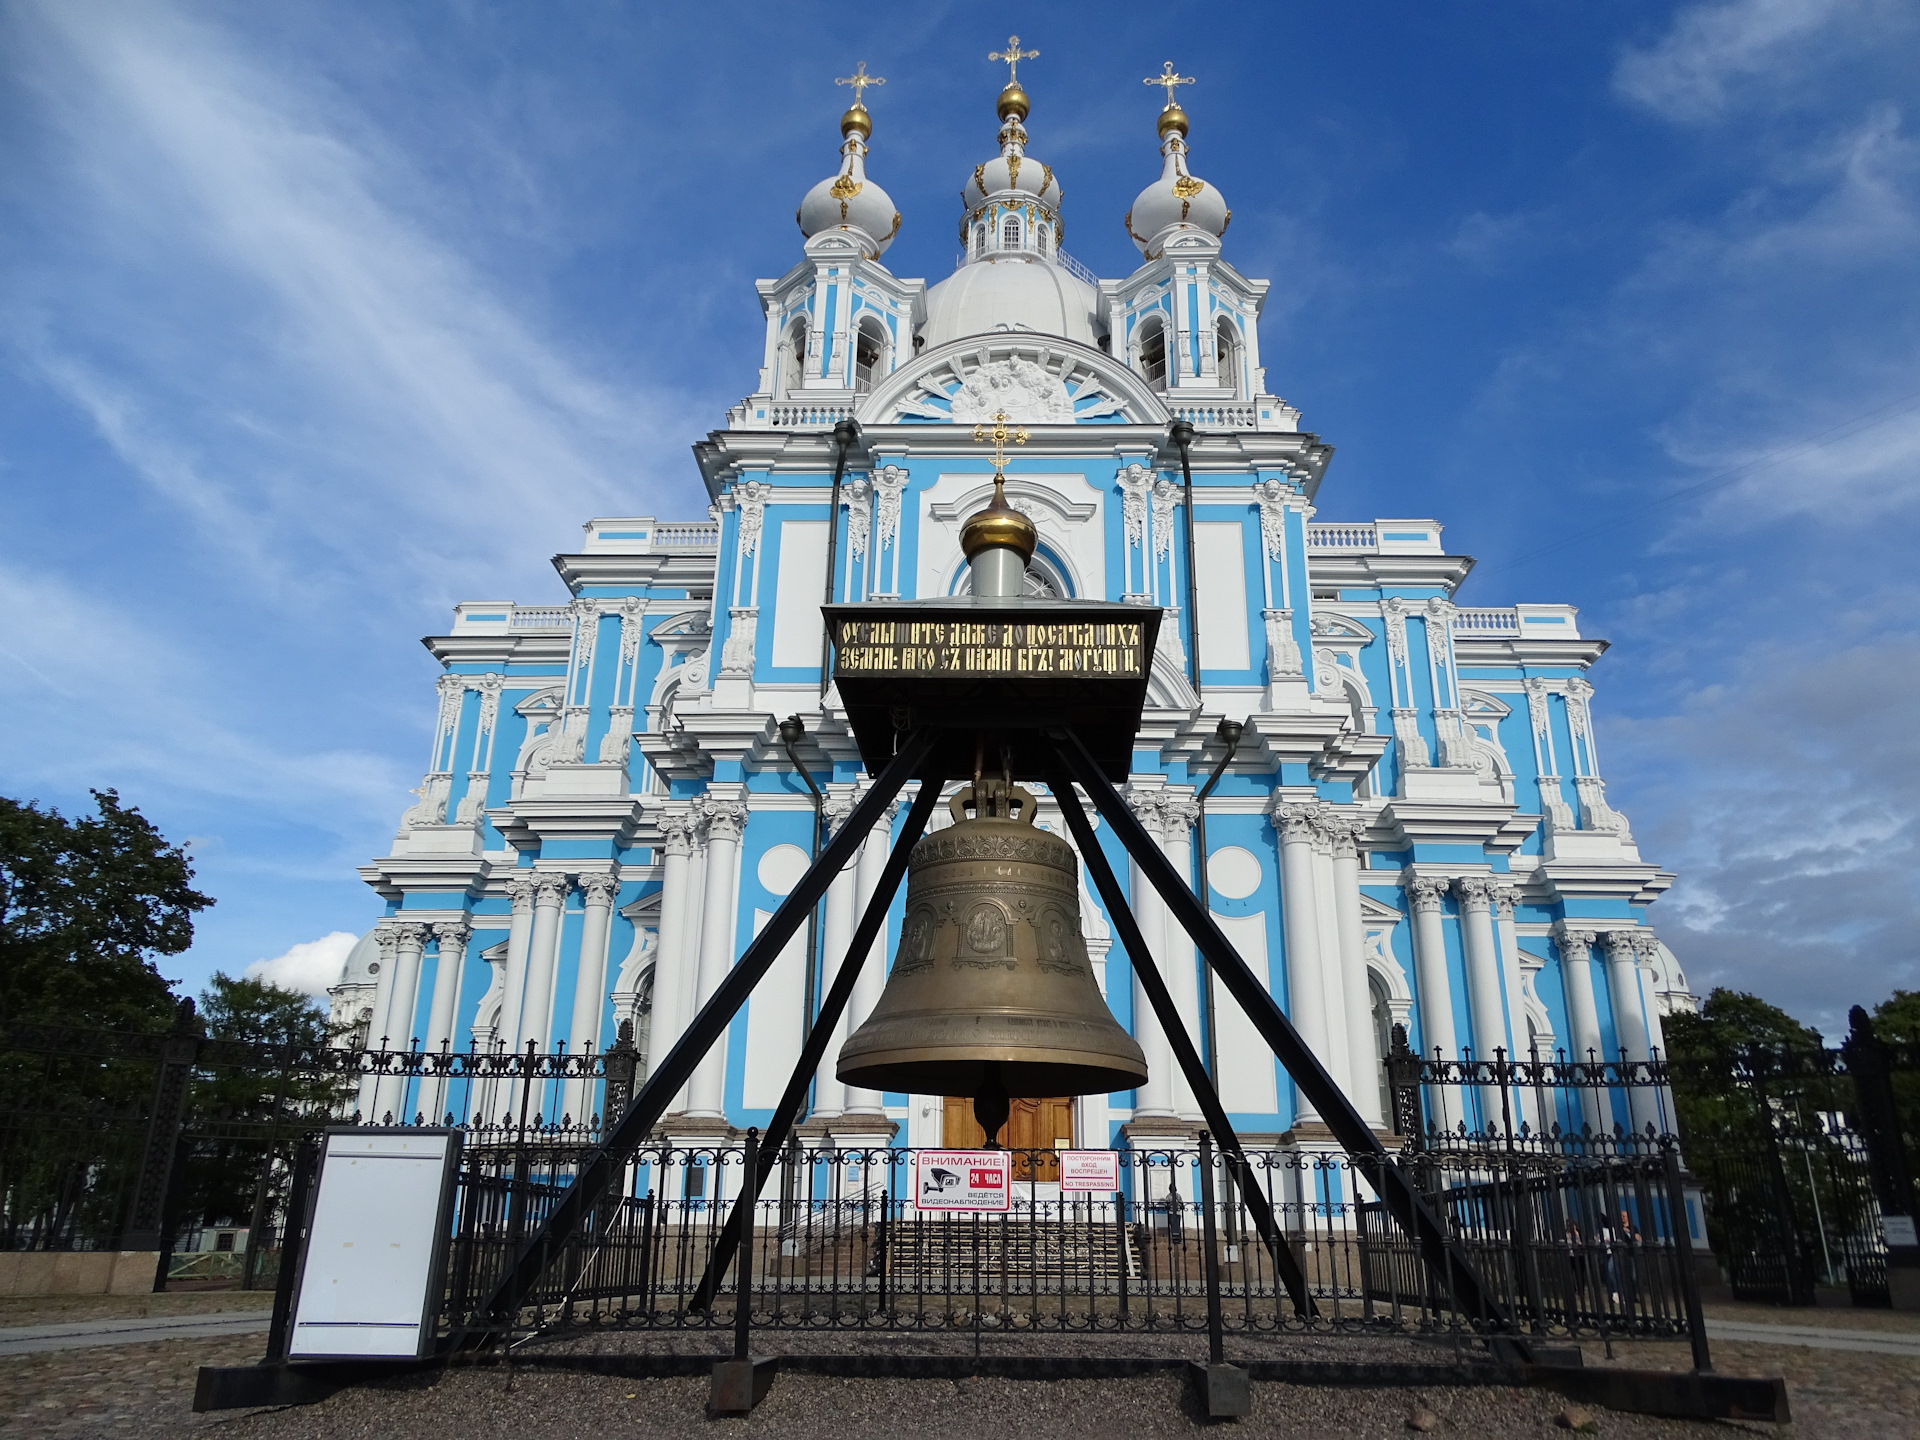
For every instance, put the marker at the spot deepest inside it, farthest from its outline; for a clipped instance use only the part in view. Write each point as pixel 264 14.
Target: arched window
pixel 1010 233
pixel 1043 238
pixel 793 356
pixel 1382 1040
pixel 1226 352
pixel 979 240
pixel 1153 351
pixel 869 349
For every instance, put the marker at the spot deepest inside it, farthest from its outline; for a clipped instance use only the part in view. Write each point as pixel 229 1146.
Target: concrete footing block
pixel 739 1385
pixel 1226 1391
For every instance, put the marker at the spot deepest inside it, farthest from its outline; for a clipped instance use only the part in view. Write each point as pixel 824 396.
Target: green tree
pixel 1732 1020
pixel 1897 1018
pixel 85 905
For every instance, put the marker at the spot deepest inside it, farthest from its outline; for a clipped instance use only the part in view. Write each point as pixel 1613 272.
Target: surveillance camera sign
pixel 962 1180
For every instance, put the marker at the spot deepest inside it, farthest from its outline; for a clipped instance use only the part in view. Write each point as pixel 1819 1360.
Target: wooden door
pixel 1045 1124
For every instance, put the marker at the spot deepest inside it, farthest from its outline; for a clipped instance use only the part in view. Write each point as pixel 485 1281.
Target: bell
pixel 991 993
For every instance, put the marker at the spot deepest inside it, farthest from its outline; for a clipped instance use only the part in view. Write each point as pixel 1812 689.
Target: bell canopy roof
pixel 849 200
pixel 1179 200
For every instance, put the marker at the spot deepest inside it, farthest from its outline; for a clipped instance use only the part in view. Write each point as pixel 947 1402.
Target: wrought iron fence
pixel 1571 1248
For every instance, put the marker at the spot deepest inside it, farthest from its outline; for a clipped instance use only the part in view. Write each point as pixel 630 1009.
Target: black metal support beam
pixel 1471 1294
pixel 815 1049
pixel 1120 912
pixel 609 1161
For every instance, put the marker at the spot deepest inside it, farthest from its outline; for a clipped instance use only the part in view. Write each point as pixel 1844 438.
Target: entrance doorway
pixel 1045 1124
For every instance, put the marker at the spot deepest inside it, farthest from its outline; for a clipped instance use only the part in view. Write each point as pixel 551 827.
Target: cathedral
pixel 1412 827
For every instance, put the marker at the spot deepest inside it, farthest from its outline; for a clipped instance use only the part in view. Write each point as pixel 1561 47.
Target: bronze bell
pixel 991 993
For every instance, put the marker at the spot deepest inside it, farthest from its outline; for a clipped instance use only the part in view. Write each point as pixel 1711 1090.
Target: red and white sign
pixel 962 1180
pixel 1094 1171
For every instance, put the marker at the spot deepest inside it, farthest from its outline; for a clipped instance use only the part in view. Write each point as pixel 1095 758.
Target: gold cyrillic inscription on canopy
pixel 975 647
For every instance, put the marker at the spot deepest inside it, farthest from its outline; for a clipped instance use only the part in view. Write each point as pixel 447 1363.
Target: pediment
pixel 1375 912
pixel 1036 379
pixel 1478 702
pixel 1329 625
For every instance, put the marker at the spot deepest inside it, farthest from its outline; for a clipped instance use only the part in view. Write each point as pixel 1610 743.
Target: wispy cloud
pixel 1714 54
pixel 344 358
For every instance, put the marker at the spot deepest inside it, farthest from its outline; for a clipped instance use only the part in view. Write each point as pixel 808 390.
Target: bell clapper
pixel 991 1106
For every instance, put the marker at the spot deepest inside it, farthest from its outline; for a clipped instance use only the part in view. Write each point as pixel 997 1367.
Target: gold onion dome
pixel 999 525
pixel 1012 104
pixel 857 118
pixel 1173 118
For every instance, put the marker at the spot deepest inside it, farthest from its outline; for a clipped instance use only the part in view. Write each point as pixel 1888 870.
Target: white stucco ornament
pixel 1019 388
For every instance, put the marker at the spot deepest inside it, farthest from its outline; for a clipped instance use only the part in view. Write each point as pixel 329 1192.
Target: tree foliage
pixel 85 905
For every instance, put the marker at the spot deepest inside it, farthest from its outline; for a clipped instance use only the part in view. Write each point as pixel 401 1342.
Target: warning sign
pixel 962 1180
pixel 1090 1170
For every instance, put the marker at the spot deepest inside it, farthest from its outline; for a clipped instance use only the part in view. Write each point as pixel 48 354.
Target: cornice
pixel 547 648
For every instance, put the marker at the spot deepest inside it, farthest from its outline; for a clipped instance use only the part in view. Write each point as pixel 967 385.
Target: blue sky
pixel 318 318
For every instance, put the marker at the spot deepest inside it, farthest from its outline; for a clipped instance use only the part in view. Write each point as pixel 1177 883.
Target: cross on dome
pixel 999 435
pixel 1013 55
pixel 859 80
pixel 1166 78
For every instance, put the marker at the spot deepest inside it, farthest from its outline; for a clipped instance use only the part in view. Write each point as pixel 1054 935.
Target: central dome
pixel 1013 277
pixel 1012 294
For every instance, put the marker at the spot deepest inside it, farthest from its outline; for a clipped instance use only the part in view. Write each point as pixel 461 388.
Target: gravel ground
pixel 145 1391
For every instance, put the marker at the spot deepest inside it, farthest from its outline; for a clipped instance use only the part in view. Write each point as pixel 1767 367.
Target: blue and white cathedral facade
pixel 1415 828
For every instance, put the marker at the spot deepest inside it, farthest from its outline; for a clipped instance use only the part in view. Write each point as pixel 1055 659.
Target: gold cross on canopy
pixel 859 80
pixel 1013 55
pixel 1167 78
pixel 999 435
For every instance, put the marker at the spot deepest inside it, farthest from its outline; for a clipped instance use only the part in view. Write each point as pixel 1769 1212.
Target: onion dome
pixel 1178 200
pixel 999 524
pixel 850 201
pixel 1012 175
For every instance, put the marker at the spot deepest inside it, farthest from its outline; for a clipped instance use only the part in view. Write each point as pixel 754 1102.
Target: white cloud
pixel 1712 50
pixel 309 967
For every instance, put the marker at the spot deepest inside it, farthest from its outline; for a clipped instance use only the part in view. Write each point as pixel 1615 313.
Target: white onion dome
pixel 362 965
pixel 1178 200
pixel 849 200
pixel 1013 278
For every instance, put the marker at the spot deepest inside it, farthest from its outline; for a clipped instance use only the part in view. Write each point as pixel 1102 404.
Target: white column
pixel 513 985
pixel 1298 824
pixel 590 984
pixel 1475 894
pixel 836 931
pixel 451 938
pixel 1629 1018
pixel 1646 945
pixel 873 975
pixel 1326 915
pixel 706 1096
pixel 673 962
pixel 1505 897
pixel 1177 814
pixel 1436 994
pixel 388 941
pixel 410 943
pixel 1156 1097
pixel 1576 978
pixel 543 953
pixel 1345 833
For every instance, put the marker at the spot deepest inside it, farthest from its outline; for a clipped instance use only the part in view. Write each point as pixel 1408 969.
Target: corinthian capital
pixel 599 887
pixel 1505 897
pixel 1344 833
pixel 1573 943
pixel 550 889
pixel 1298 821
pixel 1424 894
pixel 1645 943
pixel 676 829
pixel 1149 808
pixel 725 819
pixel 1474 892
pixel 836 811
pixel 452 935
pixel 1620 946
pixel 519 890
pixel 410 935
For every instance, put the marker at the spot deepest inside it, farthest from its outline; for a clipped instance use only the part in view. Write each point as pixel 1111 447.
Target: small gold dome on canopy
pixel 858 119
pixel 1013 102
pixel 1172 118
pixel 999 524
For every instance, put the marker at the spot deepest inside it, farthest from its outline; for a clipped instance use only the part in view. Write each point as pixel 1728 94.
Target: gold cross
pixel 1013 55
pixel 859 80
pixel 1000 434
pixel 1167 78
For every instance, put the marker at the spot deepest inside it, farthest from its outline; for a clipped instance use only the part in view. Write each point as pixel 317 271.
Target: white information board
pixel 1898 1230
pixel 376 1251
pixel 1090 1171
pixel 962 1180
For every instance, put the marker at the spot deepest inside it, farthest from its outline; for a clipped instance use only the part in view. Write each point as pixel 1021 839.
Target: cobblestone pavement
pixel 59 1309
